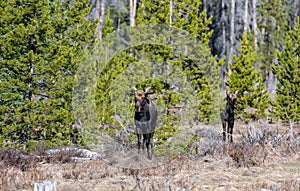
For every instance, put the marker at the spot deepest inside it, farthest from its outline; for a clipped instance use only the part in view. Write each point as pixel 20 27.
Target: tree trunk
pixel 98 16
pixel 119 26
pixel 223 19
pixel 204 4
pixel 254 24
pixel 100 13
pixel 224 49
pixel 262 43
pixel 171 12
pixel 246 16
pixel 295 11
pixel 254 30
pixel 132 13
pixel 232 37
pixel 263 31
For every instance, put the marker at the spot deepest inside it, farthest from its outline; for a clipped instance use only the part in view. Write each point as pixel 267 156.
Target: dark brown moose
pixel 145 117
pixel 227 115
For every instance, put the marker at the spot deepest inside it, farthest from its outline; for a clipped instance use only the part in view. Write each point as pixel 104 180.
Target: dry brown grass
pixel 270 162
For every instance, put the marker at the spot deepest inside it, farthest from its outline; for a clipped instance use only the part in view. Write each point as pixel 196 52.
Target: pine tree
pixel 154 58
pixel 201 68
pixel 287 71
pixel 41 46
pixel 253 98
pixel 272 25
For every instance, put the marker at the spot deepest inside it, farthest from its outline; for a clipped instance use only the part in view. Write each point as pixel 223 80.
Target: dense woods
pixel 65 66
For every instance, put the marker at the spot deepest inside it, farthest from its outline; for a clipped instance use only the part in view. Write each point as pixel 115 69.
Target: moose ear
pixel 227 92
pixel 147 91
pixel 130 93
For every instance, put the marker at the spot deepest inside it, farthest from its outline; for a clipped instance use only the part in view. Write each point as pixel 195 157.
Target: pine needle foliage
pixel 253 99
pixel 42 43
pixel 287 70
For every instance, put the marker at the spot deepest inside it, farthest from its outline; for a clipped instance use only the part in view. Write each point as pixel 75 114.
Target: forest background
pixel 251 45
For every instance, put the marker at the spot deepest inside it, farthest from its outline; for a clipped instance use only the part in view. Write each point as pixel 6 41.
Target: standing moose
pixel 227 115
pixel 145 117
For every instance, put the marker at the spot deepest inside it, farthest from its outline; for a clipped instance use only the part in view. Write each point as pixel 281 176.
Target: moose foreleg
pixel 224 130
pixel 139 136
pixel 224 126
pixel 149 141
pixel 230 130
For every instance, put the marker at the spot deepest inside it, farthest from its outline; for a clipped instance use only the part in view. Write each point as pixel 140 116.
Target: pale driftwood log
pixel 47 185
pixel 86 153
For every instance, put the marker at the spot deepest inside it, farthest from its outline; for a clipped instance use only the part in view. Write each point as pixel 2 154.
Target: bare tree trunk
pixel 255 30
pixel 132 13
pixel 295 11
pixel 224 49
pixel 102 15
pixel 223 19
pixel 263 31
pixel 100 10
pixel 270 80
pixel 262 42
pixel 204 4
pixel 119 26
pixel 232 37
pixel 171 12
pixel 254 24
pixel 246 16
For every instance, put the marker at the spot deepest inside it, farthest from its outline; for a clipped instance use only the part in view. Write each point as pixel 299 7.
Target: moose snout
pixel 138 109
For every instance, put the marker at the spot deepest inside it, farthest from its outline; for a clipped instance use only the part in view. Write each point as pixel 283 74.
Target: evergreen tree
pixel 272 25
pixel 201 68
pixel 41 46
pixel 287 71
pixel 253 98
pixel 180 70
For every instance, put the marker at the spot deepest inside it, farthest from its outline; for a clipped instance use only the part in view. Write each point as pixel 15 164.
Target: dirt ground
pixel 181 173
pixel 270 169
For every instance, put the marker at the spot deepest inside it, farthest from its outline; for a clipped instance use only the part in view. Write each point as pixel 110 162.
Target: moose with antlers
pixel 227 115
pixel 145 117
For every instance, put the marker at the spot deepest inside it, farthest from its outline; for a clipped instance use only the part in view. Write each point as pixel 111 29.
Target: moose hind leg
pixel 223 125
pixel 224 130
pixel 150 155
pixel 149 145
pixel 230 130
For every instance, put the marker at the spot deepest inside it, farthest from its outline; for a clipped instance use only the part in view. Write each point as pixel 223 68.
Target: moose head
pixel 232 98
pixel 142 99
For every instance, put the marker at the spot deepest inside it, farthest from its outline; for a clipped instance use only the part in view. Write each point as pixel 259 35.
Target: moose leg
pixel 139 136
pixel 144 140
pixel 230 130
pixel 149 145
pixel 224 126
pixel 224 130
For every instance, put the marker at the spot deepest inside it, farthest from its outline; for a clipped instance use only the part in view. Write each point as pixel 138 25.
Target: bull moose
pixel 227 115
pixel 145 117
